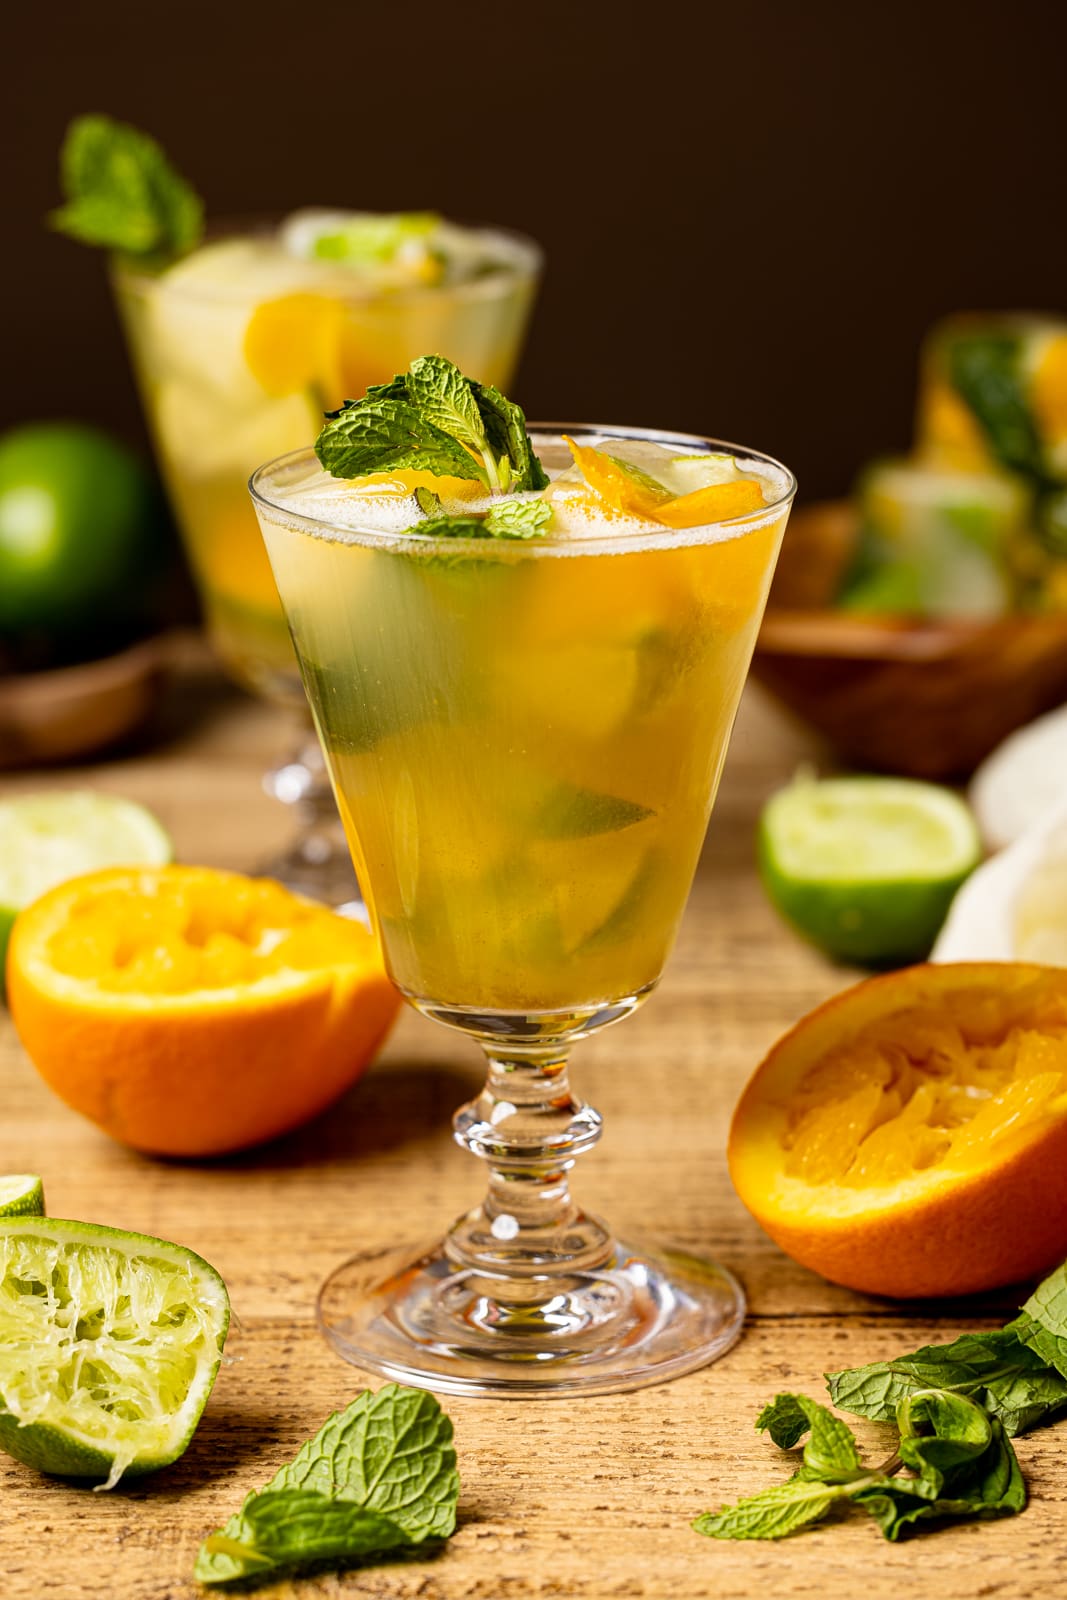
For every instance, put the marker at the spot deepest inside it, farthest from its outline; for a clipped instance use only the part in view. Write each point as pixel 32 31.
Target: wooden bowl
pixel 929 699
pixel 57 715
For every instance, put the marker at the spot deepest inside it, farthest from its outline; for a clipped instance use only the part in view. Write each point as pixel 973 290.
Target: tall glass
pixel 238 350
pixel 525 739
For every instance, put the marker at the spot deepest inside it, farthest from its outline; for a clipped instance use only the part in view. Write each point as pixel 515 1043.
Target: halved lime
pixel 866 867
pixel 21 1195
pixel 109 1346
pixel 47 838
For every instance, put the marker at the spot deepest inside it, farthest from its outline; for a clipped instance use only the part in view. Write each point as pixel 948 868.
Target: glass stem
pixel 529 1127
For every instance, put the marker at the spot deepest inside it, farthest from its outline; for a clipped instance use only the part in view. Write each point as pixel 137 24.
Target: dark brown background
pixel 750 212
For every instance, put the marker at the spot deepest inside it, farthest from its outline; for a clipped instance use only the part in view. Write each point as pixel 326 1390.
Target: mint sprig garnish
pixel 122 193
pixel 379 1476
pixel 956 1406
pixel 433 419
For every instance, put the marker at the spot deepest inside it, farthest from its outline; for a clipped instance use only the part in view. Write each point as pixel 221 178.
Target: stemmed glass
pixel 237 354
pixel 525 739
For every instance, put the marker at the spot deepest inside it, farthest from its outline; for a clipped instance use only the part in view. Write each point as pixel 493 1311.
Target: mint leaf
pixel 292 1528
pixel 830 1452
pixel 1049 1348
pixel 1047 1308
pixel 441 394
pixel 443 525
pixel 509 519
pixel 386 1460
pixel 1012 1381
pixel 987 370
pixel 430 419
pixel 940 1432
pixel 505 429
pixel 382 434
pixel 771 1514
pixel 518 519
pixel 571 812
pixel 989 1485
pixel 963 1463
pixel 122 192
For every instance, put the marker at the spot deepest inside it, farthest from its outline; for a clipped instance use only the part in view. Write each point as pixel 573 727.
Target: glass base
pixel 641 1318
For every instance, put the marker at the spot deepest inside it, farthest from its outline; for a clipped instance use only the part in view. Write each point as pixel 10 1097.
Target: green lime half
pixel 866 867
pixel 109 1346
pixel 21 1195
pixel 47 838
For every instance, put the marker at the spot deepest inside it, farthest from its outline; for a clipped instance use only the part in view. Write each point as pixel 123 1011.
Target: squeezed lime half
pixel 109 1346
pixel 866 868
pixel 47 838
pixel 21 1195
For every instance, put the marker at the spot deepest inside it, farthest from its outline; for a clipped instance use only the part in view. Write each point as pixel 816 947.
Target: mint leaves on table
pixel 1018 1373
pixel 122 192
pixel 997 1369
pixel 433 419
pixel 378 1478
pixel 956 1407
pixel 952 1461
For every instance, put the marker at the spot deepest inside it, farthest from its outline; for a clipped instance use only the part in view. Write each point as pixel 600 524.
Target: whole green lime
pixel 78 524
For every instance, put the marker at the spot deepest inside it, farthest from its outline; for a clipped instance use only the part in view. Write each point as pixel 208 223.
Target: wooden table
pixel 589 1499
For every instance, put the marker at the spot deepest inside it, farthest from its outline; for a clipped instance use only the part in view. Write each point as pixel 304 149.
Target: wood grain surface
pixel 590 1499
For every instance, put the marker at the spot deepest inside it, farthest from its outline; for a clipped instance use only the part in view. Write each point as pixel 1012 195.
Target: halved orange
pixel 909 1137
pixel 190 1012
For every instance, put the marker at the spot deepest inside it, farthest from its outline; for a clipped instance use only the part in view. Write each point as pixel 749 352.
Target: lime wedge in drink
pixel 21 1195
pixel 109 1346
pixel 866 867
pixel 47 838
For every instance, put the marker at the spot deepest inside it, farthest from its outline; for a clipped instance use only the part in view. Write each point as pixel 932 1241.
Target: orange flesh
pixel 192 935
pixel 926 1087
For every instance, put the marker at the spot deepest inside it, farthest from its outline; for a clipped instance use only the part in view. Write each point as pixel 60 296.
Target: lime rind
pixel 109 1347
pixel 21 1195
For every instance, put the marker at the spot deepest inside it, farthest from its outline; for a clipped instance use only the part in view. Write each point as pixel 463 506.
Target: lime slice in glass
pixel 21 1195
pixel 47 838
pixel 109 1346
pixel 866 867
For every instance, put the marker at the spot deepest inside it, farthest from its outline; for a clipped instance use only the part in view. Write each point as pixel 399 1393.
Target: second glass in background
pixel 238 349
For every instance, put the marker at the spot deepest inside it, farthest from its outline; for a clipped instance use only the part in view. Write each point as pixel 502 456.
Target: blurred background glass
pixel 239 348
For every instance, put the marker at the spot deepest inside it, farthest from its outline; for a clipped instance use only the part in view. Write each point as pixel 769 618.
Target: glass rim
pixel 646 538
pixel 526 263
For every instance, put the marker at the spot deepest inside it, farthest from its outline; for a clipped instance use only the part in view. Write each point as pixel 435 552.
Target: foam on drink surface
pixel 388 507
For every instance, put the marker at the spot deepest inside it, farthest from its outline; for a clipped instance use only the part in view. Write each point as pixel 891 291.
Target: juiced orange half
pixel 909 1137
pixel 188 1011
